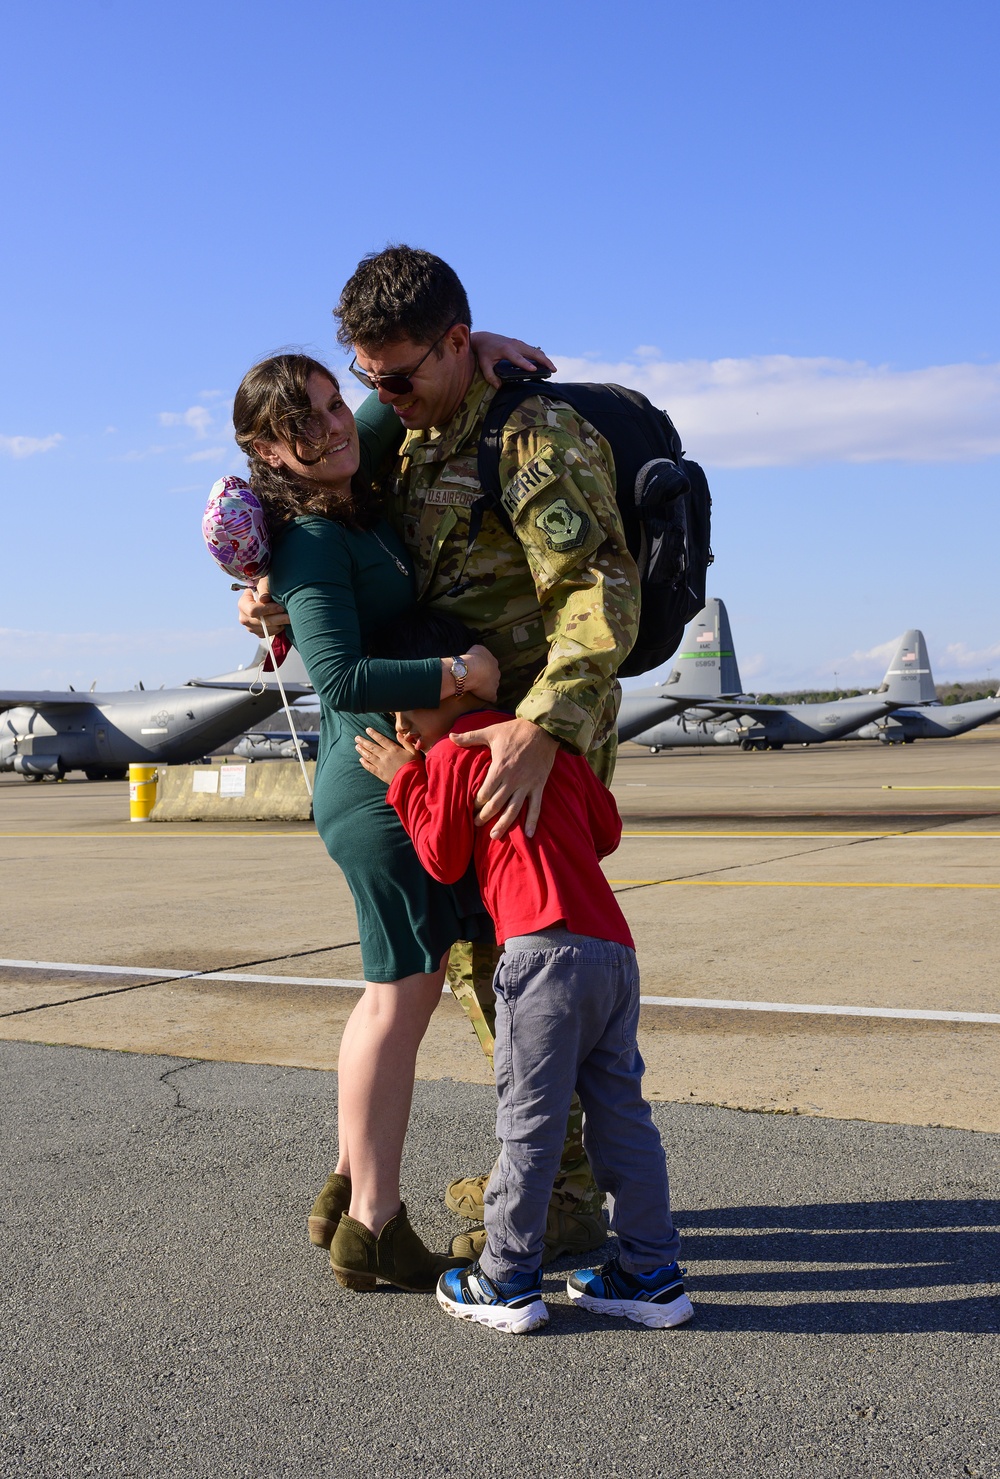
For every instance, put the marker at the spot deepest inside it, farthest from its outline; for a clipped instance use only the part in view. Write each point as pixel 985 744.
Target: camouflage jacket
pixel 557 602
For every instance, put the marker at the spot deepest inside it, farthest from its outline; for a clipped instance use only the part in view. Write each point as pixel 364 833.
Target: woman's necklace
pixel 394 558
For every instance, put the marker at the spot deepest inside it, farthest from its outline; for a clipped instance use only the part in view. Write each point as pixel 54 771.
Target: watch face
pixel 459 668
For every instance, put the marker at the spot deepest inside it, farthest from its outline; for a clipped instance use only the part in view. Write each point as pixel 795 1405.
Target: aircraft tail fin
pixel 908 678
pixel 293 671
pixel 706 666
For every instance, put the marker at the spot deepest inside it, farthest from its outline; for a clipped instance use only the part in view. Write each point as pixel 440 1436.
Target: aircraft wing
pixel 640 712
pixel 734 709
pixel 249 680
pixel 42 698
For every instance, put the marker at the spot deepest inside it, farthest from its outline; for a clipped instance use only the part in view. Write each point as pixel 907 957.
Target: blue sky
pixel 780 220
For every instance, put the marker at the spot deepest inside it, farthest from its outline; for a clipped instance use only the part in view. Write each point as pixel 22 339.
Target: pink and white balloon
pixel 235 530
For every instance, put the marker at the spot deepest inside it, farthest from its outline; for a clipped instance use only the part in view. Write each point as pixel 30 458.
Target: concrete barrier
pixel 272 791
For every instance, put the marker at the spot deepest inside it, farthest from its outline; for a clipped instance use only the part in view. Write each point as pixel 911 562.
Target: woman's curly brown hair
pixel 272 404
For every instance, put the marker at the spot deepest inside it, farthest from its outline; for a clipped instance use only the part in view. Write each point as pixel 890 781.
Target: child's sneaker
pixel 515 1306
pixel 656 1300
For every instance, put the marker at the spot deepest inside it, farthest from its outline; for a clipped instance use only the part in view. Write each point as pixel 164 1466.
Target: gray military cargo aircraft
pixel 45 733
pixel 277 744
pixel 772 726
pixel 755 726
pixel 705 668
pixel 924 717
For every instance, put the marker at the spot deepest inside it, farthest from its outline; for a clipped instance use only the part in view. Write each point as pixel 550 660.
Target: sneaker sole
pixel 508 1322
pixel 640 1312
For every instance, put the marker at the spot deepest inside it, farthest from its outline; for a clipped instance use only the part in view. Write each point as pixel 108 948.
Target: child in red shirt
pixel 567 991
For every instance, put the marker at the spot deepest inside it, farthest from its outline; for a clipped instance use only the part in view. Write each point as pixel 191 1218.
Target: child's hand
pixel 382 756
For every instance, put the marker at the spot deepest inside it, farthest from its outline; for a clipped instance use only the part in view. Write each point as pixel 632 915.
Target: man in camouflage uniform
pixel 556 602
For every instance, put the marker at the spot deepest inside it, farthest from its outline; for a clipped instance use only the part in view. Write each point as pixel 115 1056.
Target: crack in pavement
pixel 181 1068
pixel 806 852
pixel 241 965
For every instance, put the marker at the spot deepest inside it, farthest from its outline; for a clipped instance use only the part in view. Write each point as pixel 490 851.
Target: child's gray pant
pixel 567 1013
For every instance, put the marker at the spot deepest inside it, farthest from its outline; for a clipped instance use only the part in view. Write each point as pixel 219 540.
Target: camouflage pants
pixel 470 976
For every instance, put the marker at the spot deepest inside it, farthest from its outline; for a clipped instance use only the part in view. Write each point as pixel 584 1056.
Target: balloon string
pixel 288 712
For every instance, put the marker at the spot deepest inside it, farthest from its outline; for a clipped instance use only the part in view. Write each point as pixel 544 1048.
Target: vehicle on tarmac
pixel 704 668
pixel 47 733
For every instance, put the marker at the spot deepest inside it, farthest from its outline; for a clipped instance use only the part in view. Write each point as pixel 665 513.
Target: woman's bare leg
pixel 378 1055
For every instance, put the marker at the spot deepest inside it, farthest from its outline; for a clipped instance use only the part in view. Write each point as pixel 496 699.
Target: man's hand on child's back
pixel 521 758
pixel 381 756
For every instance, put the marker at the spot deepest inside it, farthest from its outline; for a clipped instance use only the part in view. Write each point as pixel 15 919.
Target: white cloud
pixel 197 418
pixel 28 446
pixel 958 657
pixel 140 454
pixel 778 410
pixel 212 454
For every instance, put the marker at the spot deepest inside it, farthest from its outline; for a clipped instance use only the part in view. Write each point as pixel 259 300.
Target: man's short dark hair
pixel 400 293
pixel 422 632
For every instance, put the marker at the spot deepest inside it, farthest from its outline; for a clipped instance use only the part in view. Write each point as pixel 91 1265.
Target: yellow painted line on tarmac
pixel 859 836
pixel 146 832
pixel 209 833
pixel 776 883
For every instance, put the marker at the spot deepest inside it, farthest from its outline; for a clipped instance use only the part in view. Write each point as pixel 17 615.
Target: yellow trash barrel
pixel 141 791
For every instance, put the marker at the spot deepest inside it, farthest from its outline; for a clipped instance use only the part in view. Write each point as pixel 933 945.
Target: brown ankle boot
pixel 328 1208
pixel 397 1256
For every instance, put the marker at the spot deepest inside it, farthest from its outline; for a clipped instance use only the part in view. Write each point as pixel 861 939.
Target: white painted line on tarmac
pixel 170 975
pixel 705 1002
pixel 903 1013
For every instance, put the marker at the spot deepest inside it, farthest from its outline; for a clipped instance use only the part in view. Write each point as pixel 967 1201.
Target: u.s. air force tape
pixel 526 482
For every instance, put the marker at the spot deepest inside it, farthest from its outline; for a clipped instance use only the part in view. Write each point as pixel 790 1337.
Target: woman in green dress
pixel 341 572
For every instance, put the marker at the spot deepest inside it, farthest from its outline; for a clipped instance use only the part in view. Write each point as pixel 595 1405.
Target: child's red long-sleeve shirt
pixel 527 884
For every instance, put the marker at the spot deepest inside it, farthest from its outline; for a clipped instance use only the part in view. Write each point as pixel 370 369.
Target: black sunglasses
pixel 394 384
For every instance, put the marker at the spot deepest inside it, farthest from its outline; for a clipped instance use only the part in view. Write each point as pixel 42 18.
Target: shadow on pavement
pixel 868 1252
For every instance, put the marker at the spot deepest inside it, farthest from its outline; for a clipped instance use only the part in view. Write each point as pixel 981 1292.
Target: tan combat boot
pixel 573 1233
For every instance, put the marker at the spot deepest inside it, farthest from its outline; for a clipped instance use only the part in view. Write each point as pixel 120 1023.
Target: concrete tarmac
pixel 161 1311
pixel 847 875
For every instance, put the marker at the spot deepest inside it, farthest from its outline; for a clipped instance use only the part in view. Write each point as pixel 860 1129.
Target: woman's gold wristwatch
pixel 459 671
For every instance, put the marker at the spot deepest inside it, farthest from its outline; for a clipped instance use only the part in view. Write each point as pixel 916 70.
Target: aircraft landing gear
pixel 654 749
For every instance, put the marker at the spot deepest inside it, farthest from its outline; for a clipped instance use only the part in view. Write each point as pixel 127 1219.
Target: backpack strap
pixel 507 399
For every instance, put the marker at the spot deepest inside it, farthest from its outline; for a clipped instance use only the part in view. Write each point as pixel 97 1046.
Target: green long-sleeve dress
pixel 338 584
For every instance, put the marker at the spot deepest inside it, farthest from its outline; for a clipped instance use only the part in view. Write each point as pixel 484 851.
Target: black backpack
pixel 663 499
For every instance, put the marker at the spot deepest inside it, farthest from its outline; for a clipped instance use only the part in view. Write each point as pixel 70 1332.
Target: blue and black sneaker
pixel 514 1306
pixel 656 1299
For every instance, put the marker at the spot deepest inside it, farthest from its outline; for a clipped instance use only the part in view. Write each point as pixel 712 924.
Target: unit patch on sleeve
pixel 564 526
pixel 528 480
